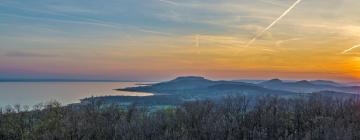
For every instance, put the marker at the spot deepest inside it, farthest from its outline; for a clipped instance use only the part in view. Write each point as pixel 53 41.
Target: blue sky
pixel 154 39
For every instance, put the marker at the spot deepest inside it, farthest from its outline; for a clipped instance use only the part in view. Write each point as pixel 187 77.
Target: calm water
pixel 31 93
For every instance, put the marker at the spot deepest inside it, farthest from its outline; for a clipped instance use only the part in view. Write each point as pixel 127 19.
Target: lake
pixel 31 93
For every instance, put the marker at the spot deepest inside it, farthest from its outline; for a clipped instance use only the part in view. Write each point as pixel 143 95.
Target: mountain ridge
pixel 309 86
pixel 197 84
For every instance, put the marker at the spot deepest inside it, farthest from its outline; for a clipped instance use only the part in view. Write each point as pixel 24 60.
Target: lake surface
pixel 31 93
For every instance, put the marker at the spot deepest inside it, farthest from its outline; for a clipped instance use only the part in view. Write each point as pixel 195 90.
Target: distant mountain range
pixel 305 86
pixel 190 88
pixel 196 85
pixel 199 88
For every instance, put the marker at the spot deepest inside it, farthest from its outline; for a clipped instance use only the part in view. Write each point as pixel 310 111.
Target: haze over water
pixel 31 93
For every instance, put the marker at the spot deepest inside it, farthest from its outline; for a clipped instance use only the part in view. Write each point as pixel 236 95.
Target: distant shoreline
pixel 64 80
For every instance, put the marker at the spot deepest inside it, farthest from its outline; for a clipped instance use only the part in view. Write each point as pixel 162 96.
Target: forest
pixel 231 118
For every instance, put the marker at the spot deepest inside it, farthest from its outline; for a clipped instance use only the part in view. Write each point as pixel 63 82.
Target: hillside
pixel 200 85
pixel 192 88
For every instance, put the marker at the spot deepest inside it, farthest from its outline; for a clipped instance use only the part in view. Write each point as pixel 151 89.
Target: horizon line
pixel 118 80
pixel 66 80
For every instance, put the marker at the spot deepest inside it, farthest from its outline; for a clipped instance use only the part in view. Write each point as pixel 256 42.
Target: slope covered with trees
pixel 269 118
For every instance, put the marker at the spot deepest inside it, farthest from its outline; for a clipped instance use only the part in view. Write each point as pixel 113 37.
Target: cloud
pixel 227 41
pixel 92 22
pixel 269 50
pixel 70 9
pixel 272 2
pixel 280 42
pixel 27 54
pixel 154 32
pixel 169 2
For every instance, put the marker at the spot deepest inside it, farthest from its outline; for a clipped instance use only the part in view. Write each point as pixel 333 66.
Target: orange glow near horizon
pixel 308 41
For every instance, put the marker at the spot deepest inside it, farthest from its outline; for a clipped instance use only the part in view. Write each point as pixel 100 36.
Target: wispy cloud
pixel 280 42
pixel 226 41
pixel 155 32
pixel 60 20
pixel 70 9
pixel 169 2
pixel 92 22
pixel 20 54
pixel 272 2
pixel 269 50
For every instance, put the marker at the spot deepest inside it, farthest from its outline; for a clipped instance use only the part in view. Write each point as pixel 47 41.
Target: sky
pixel 162 39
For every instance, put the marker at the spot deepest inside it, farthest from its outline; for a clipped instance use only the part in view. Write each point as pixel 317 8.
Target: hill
pixel 200 85
pixel 192 88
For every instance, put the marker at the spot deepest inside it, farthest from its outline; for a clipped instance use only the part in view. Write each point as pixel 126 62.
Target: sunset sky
pixel 162 39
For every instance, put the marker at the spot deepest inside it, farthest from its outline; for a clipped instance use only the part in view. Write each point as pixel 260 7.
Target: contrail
pixel 197 41
pixel 348 50
pixel 273 23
